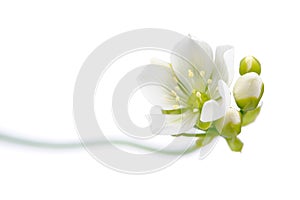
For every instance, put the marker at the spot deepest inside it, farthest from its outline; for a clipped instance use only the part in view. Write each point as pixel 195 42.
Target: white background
pixel 42 47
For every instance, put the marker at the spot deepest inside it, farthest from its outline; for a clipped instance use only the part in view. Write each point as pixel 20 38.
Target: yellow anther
pixel 209 81
pixel 191 74
pixel 175 106
pixel 202 73
pixel 177 98
pixel 173 92
pixel 198 94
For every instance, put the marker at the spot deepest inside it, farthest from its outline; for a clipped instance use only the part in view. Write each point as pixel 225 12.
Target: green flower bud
pixel 232 123
pixel 248 91
pixel 250 64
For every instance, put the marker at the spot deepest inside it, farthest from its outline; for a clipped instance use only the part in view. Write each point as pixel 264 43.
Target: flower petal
pixel 205 46
pixel 189 120
pixel 188 75
pixel 224 62
pixel 212 109
pixel 157 61
pixel 193 57
pixel 207 49
pixel 224 68
pixel 160 88
pixel 176 124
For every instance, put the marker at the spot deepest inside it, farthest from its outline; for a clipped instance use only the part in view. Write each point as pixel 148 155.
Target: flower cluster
pixel 247 92
pixel 195 97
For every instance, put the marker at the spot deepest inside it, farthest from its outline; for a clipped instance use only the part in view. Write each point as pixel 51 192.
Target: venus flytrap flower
pixel 248 91
pixel 194 96
pixel 193 88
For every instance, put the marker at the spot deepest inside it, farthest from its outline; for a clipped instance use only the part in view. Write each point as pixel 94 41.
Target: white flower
pixel 193 89
pixel 248 91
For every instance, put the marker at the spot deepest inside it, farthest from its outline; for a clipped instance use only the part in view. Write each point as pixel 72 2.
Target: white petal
pixel 212 109
pixel 248 85
pixel 164 98
pixel 188 121
pixel 209 111
pixel 192 56
pixel 171 124
pixel 194 131
pixel 224 62
pixel 188 75
pixel 159 87
pixel 204 45
pixel 231 116
pixel 207 49
pixel 176 124
pixel 157 61
pixel 224 68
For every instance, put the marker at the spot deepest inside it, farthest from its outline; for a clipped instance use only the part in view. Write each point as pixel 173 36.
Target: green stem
pixel 189 135
pixel 77 145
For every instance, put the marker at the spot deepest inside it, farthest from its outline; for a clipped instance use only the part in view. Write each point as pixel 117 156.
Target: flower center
pixel 196 100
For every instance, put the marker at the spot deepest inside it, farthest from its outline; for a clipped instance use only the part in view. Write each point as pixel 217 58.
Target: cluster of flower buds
pixel 249 88
pixel 247 92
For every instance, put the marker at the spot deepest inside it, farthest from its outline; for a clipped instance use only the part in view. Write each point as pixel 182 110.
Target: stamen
pixel 198 94
pixel 191 74
pixel 173 92
pixel 209 81
pixel 202 74
pixel 177 98
pixel 175 106
pixel 195 110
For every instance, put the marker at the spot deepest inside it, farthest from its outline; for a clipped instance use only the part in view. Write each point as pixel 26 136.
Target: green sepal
pixel 231 130
pixel 249 103
pixel 250 116
pixel 235 144
pixel 203 125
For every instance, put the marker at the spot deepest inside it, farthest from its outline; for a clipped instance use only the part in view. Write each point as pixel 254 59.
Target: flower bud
pixel 248 91
pixel 250 64
pixel 232 123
